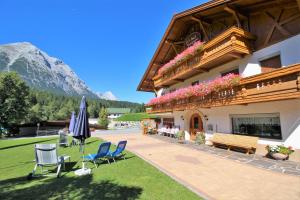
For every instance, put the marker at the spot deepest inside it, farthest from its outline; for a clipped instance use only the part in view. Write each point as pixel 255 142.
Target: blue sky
pixel 109 44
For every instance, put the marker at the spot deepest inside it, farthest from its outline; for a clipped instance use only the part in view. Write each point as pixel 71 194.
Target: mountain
pixel 42 71
pixel 107 95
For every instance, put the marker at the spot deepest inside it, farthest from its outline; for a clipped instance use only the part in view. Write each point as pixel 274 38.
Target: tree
pixel 103 118
pixel 14 99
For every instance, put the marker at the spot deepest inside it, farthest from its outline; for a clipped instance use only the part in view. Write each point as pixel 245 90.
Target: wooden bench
pixel 247 143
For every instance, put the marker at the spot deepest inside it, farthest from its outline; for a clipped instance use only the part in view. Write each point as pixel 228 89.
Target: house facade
pixel 230 66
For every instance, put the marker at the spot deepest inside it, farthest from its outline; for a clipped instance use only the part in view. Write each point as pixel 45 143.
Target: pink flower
pixel 187 53
pixel 200 90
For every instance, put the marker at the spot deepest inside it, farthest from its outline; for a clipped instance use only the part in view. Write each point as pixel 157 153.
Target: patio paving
pixel 287 167
pixel 214 173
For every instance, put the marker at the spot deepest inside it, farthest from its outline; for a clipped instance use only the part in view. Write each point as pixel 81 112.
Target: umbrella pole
pixel 83 170
pixel 83 145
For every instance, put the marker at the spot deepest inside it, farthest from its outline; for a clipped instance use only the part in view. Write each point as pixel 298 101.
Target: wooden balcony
pixel 280 84
pixel 232 44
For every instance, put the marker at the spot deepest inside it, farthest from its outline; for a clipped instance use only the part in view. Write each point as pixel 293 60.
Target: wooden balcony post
pixel 298 82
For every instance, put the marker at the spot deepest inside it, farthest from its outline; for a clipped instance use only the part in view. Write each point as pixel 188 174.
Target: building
pixel 259 40
pixel 114 113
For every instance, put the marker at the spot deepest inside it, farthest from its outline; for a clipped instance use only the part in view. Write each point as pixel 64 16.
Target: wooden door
pixel 196 125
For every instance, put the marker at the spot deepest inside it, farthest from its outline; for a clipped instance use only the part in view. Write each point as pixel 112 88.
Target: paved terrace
pixel 213 175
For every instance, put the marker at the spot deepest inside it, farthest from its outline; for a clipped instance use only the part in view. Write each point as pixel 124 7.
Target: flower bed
pixel 186 54
pixel 199 90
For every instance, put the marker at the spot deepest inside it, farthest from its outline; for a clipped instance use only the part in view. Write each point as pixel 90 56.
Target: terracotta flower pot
pixel 279 156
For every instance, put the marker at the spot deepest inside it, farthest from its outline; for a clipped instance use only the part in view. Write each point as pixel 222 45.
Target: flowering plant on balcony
pixel 186 54
pixel 202 89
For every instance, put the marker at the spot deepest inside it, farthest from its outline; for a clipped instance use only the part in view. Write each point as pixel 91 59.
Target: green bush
pixel 180 135
pixel 200 138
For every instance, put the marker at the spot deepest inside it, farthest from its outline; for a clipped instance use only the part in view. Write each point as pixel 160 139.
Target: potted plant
pixel 279 152
pixel 180 136
pixel 200 138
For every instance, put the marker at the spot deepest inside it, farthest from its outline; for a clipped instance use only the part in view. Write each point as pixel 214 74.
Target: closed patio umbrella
pixel 82 132
pixel 72 123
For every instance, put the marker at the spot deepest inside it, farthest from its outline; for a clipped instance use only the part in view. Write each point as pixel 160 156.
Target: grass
pixel 132 178
pixel 134 117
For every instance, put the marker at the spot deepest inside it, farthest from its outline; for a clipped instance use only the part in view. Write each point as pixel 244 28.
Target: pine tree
pixel 103 118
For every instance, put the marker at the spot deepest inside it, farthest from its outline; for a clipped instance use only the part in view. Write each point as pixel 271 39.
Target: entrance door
pixel 196 125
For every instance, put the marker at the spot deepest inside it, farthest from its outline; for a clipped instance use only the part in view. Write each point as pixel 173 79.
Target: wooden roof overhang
pixel 172 39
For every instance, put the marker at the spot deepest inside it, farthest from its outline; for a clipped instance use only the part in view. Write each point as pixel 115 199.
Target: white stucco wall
pixel 288 49
pixel 219 117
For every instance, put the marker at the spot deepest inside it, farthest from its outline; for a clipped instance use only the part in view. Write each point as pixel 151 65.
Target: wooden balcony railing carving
pixel 231 44
pixel 280 84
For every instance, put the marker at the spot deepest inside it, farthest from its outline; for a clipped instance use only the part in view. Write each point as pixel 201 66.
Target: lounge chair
pixel 119 151
pixel 46 156
pixel 101 154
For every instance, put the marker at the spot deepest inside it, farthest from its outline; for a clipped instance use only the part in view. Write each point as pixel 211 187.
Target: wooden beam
pixel 201 70
pixel 270 33
pixel 236 15
pixel 298 2
pixel 172 45
pixel 291 18
pixel 179 80
pixel 235 11
pixel 201 26
pixel 275 24
pixel 178 42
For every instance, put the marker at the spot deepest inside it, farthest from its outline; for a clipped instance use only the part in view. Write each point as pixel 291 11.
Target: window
pixel 259 125
pixel 168 122
pixel 195 83
pixel 270 64
pixel 233 71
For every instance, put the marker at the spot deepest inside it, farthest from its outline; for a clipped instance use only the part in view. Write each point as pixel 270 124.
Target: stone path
pixel 210 176
pixel 287 167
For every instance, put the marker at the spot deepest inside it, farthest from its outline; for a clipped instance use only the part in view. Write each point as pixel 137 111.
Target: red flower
pixel 199 90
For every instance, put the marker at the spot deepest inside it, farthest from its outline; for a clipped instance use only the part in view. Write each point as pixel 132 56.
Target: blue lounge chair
pixel 119 151
pixel 101 154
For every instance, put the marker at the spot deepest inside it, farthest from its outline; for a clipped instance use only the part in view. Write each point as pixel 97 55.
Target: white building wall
pixel 288 49
pixel 219 117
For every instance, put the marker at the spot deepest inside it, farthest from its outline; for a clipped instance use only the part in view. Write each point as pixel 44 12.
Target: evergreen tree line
pixel 19 103
pixel 49 106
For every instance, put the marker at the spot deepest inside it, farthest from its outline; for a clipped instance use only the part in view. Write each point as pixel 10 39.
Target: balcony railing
pixel 229 45
pixel 280 84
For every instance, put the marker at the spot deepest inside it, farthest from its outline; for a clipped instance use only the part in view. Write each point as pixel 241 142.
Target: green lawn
pixel 134 117
pixel 132 178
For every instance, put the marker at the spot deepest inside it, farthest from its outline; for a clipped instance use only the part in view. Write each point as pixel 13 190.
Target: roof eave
pixel 175 17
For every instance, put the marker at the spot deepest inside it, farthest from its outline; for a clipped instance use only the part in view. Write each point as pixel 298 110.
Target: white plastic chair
pixel 46 156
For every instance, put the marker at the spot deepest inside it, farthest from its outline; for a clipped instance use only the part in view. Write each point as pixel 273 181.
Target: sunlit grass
pixel 131 178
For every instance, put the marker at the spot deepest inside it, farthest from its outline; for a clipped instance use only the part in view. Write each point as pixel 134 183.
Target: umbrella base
pixel 83 171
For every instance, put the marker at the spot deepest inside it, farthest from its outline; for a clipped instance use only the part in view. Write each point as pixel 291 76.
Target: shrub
pixel 200 138
pixel 279 149
pixel 180 135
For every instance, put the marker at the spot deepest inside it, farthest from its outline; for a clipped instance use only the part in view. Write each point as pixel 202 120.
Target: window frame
pixel 257 115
